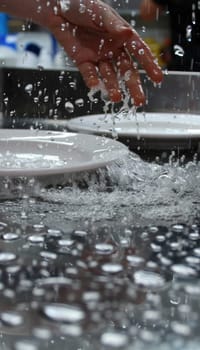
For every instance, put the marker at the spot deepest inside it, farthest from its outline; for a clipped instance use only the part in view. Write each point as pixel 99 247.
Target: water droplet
pixel 65 5
pixel 192 289
pixel 114 339
pixel 63 313
pixel 197 252
pixel 42 333
pixel 152 315
pixel 58 100
pixel 6 257
pixel 48 255
pixel 91 296
pixel 178 51
pixel 29 88
pixel 181 270
pixel 2 225
pixel 112 267
pixel 79 102
pixel 53 281
pixel 69 107
pixel 73 330
pixel 149 280
pixel 178 228
pixel 25 345
pixel 65 243
pixel 82 8
pixel 135 260
pixel 12 319
pixel 80 234
pixel 54 233
pixel 10 236
pixel 36 239
pixel 181 328
pixel 104 248
pixel 189 33
pixel 143 29
pixel 141 51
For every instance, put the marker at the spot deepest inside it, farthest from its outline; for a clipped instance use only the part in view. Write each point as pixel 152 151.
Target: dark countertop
pixel 111 262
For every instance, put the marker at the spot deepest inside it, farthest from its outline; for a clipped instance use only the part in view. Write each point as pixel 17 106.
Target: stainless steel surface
pixel 111 262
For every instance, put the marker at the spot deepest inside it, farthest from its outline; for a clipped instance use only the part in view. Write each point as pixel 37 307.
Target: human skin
pixel 100 42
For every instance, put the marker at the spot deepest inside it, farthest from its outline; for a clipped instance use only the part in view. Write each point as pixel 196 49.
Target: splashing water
pixel 129 189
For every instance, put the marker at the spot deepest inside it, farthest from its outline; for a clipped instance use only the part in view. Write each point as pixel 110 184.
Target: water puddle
pixel 109 261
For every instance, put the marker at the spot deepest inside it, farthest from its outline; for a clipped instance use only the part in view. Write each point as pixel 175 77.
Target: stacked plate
pixel 29 153
pixel 150 130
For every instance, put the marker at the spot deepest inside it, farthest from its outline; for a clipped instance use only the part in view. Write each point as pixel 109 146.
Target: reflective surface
pixel 111 262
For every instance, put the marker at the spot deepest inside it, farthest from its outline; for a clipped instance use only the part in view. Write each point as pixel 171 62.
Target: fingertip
pixel 139 100
pixel 157 75
pixel 92 82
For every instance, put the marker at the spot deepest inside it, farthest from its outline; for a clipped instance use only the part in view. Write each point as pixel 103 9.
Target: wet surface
pixel 110 261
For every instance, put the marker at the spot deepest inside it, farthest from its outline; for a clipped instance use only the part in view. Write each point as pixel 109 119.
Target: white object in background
pixel 28 58
pixel 60 59
pixel 43 41
pixel 45 59
pixel 7 56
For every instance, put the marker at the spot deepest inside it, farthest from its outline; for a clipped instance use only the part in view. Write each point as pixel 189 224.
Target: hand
pixel 102 44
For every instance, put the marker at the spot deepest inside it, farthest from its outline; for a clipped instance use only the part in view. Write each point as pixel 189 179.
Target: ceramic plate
pixel 54 153
pixel 32 134
pixel 145 125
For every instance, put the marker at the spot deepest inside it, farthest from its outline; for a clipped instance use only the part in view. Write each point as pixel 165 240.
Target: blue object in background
pixel 3 25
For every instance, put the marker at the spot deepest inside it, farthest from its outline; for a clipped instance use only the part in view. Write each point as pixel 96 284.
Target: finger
pixel 89 73
pixel 144 56
pixel 128 71
pixel 110 80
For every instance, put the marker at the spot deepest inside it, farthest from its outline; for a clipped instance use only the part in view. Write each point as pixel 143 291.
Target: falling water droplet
pixel 189 33
pixel 79 102
pixel 69 107
pixel 178 50
pixel 65 5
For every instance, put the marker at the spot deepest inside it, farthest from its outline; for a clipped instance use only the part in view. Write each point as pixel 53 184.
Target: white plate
pixel 144 125
pixel 32 134
pixel 54 154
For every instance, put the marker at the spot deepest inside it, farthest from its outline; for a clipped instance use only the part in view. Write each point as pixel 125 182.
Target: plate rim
pixel 114 152
pixel 72 126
